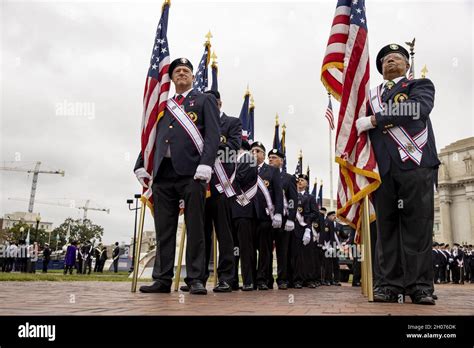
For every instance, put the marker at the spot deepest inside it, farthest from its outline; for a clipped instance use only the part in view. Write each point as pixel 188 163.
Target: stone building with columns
pixel 454 201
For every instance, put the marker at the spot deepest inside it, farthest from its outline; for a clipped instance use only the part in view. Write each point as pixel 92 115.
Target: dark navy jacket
pixel 419 91
pixel 245 178
pixel 184 155
pixel 288 183
pixel 271 177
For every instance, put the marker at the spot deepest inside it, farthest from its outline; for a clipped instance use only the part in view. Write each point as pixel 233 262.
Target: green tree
pixel 14 233
pixel 80 230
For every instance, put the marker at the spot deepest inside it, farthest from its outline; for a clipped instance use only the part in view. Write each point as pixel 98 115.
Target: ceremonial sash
pixel 188 125
pixel 244 198
pixel 285 204
pixel 408 147
pixel 300 219
pixel 268 198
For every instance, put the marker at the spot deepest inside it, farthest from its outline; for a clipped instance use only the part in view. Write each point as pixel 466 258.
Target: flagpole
pixel 367 278
pixel 138 244
pixel 330 170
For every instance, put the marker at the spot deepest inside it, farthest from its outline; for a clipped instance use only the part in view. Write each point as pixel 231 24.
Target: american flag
pixel 251 121
pixel 345 73
pixel 244 116
pixel 329 115
pixel 157 86
pixel 201 80
pixel 299 165
pixel 411 72
pixel 214 85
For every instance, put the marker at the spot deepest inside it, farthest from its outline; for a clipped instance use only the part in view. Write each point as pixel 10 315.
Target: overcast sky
pixel 96 54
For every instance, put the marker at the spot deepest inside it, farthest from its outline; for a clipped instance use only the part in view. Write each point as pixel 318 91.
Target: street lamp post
pixel 130 201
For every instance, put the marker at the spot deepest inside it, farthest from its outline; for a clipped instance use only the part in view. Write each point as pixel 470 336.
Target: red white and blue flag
pixel 157 87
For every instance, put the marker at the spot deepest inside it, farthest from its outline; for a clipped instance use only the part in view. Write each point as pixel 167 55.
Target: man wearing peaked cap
pixel 400 130
pixel 269 211
pixel 181 172
pixel 179 62
pixel 281 236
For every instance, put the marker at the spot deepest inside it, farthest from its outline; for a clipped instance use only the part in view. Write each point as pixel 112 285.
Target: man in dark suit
pixel 331 244
pixel 115 256
pixel 404 144
pixel 269 210
pixel 217 210
pixel 244 219
pixel 281 236
pixel 303 241
pixel 436 255
pixel 181 172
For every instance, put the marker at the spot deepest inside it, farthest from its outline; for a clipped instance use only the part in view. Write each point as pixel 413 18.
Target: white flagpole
pixel 330 169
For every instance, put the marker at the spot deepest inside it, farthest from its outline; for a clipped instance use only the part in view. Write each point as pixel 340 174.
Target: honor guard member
pixel 404 144
pixel 443 263
pixel 115 256
pixel 281 236
pixel 182 171
pixel 436 255
pixel 269 210
pixel 331 245
pixel 302 242
pixel 244 218
pixel 217 211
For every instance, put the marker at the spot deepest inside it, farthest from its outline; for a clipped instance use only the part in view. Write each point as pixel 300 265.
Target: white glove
pixel 307 236
pixel 277 221
pixel 142 174
pixel 203 172
pixel 289 226
pixel 364 124
pixel 315 237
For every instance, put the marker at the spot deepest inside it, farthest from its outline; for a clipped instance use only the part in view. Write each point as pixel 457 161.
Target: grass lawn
pixel 58 275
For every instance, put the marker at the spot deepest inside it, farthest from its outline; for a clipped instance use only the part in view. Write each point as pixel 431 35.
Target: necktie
pixel 388 86
pixel 178 98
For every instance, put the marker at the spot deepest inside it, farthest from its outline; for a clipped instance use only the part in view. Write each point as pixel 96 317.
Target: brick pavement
pixel 115 298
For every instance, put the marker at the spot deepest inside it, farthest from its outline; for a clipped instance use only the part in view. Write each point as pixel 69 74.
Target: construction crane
pixel 85 207
pixel 35 172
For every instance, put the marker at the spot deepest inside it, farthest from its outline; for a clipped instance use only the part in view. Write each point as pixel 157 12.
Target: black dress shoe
pixel 262 286
pixel 222 287
pixel 318 284
pixel 435 297
pixel 336 283
pixel 422 297
pixel 235 286
pixel 298 286
pixel 356 284
pixel 311 285
pixel 248 287
pixel 156 287
pixel 385 295
pixel 184 288
pixel 326 283
pixel 283 286
pixel 197 289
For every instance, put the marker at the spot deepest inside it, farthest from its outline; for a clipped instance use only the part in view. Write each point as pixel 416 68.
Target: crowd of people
pixel 453 264
pixel 22 257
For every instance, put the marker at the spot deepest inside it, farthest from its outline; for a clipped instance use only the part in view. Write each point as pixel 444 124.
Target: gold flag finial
pixel 247 92
pixel 424 71
pixel 252 102
pixel 300 154
pixel 283 127
pixel 166 2
pixel 321 181
pixel 214 58
pixel 276 120
pixel 208 37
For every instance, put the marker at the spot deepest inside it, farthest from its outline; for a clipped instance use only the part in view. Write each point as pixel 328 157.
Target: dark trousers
pixel 79 266
pixel 436 273
pixel 264 247
pixel 303 258
pixel 356 271
pixel 245 233
pixel 319 264
pixel 331 269
pixel 87 264
pixel 45 265
pixel 282 245
pixel 442 273
pixel 68 268
pixel 116 265
pixel 405 212
pixel 217 218
pixel 168 189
